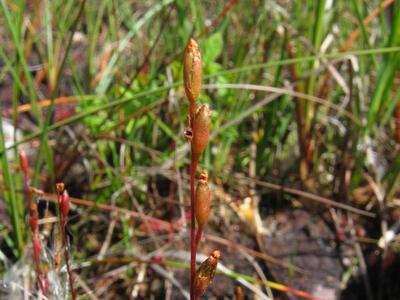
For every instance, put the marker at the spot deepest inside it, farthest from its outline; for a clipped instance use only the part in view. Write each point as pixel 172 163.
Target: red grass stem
pixel 63 201
pixel 193 166
pixel 33 222
pixel 199 234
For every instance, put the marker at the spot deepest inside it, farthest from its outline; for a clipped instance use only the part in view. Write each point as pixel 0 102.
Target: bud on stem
pixel 192 71
pixel 65 204
pixel 23 161
pixel 205 274
pixel 201 130
pixel 202 199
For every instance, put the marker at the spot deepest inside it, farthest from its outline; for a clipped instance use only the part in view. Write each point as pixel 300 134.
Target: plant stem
pixel 193 245
pixel 199 234
pixel 64 237
pixel 70 279
pixel 36 256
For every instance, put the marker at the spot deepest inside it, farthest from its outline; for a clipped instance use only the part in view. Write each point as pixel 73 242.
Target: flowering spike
pixel 205 274
pixel 192 71
pixel 203 199
pixel 201 130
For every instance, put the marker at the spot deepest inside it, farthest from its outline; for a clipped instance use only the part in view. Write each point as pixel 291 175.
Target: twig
pixel 361 259
pixel 85 287
pixel 254 253
pixel 169 277
pixel 311 196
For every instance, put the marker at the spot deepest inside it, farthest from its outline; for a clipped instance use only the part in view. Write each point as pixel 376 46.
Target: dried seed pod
pixel 201 130
pixel 23 161
pixel 192 70
pixel 202 199
pixel 205 274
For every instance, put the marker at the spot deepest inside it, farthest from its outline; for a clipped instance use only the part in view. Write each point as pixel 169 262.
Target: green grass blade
pixel 11 196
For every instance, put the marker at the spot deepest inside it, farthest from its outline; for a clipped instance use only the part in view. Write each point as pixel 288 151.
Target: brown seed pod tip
pixel 203 176
pixel 204 110
pixel 193 48
pixel 60 187
pixel 216 254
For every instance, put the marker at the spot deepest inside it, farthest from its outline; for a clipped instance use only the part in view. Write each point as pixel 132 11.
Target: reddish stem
pixel 70 278
pixel 199 234
pixel 33 221
pixel 64 237
pixel 192 112
pixel 193 166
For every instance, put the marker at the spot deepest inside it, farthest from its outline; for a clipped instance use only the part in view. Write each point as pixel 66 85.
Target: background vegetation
pixel 306 118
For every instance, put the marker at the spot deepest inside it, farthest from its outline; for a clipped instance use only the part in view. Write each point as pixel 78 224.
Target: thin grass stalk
pixel 363 27
pixel 397 123
pixel 11 199
pixel 386 76
pixel 309 108
pixel 156 91
pixel 300 119
pixel 46 125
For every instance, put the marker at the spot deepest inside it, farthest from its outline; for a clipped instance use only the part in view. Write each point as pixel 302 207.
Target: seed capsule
pixel 205 274
pixel 201 130
pixel 202 199
pixel 23 161
pixel 65 204
pixel 192 70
